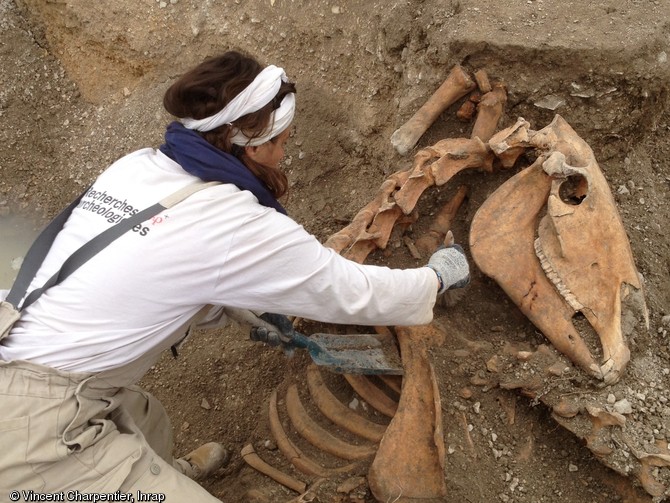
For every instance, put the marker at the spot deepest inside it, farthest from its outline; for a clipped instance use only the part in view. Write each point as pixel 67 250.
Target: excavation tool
pixel 370 354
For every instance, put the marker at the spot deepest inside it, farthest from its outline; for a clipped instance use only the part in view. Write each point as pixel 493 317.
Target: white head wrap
pixel 254 97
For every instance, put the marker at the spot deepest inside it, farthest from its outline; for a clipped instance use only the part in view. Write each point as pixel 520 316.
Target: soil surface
pixel 82 83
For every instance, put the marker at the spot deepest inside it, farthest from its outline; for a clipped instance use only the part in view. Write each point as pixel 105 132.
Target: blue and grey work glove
pixel 451 267
pixel 277 334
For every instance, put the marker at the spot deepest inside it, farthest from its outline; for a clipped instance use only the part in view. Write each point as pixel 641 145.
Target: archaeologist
pixel 73 418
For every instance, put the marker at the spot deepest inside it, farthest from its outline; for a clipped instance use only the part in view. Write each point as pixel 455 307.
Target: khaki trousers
pixel 62 431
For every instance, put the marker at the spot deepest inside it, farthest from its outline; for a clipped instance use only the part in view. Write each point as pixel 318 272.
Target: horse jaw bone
pixel 581 261
pixel 582 240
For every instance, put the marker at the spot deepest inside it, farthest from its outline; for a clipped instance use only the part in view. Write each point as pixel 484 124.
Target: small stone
pixel 623 406
pixel 550 102
pixel 572 468
pixel 666 320
pixel 476 407
pixel 465 393
pixel 335 9
pixel 493 365
pixel 353 405
pixel 185 426
pixel 205 404
pixel 611 398
pixel 623 190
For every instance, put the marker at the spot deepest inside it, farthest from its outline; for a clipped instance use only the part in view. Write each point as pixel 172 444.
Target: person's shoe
pixel 202 462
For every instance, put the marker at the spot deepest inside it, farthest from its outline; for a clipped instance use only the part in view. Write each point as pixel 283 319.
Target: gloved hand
pixel 274 330
pixel 451 267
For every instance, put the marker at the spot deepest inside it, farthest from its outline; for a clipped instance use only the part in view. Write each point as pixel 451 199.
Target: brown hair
pixel 207 88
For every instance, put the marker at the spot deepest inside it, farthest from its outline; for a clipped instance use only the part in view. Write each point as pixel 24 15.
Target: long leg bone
pixel 409 464
pixel 457 85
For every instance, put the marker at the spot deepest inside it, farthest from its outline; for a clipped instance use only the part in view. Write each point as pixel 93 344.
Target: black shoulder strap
pixel 42 244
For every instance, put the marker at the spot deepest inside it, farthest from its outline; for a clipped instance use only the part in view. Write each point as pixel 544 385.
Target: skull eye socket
pixel 573 190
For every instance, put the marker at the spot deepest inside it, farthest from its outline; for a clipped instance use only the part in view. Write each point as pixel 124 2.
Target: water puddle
pixel 17 232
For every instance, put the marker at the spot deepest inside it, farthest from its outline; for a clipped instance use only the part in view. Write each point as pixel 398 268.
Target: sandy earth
pixel 81 85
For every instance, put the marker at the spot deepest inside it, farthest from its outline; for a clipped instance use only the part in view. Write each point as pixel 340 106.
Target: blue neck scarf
pixel 202 159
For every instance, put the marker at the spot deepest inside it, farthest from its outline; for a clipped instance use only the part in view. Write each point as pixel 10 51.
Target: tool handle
pixel 270 333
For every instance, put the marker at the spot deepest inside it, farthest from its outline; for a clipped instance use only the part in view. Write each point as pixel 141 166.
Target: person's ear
pixel 253 153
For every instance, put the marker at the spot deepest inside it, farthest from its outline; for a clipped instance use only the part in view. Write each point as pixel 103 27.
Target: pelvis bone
pixel 552 238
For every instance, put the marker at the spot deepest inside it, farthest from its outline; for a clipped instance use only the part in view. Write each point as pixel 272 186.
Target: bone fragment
pixel 468 437
pixel 457 85
pixel 510 143
pixel 372 395
pixel 420 178
pixel 482 79
pixel 295 456
pixel 357 229
pixel 318 436
pixel 650 462
pixel 252 459
pixel 415 432
pixel 362 220
pixel 413 250
pixel 458 154
pixel 360 250
pixel 310 494
pixel 339 413
pixel 466 111
pixel 489 111
pixel 431 240
pixel 447 158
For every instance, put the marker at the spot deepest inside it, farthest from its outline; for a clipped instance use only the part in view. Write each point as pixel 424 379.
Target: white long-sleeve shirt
pixel 219 246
